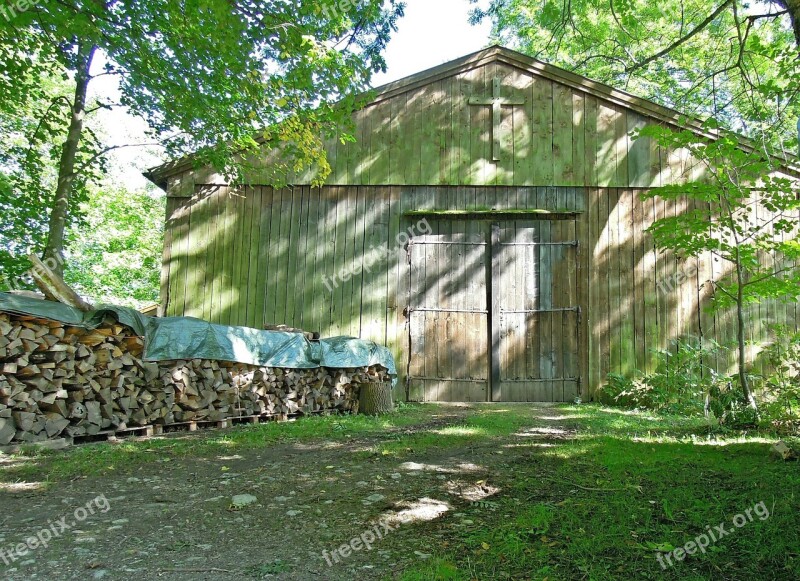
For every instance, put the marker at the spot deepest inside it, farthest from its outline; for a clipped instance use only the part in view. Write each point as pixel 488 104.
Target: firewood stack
pixel 57 380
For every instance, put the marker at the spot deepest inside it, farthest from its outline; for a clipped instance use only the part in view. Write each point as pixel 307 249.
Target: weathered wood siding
pixel 259 255
pixel 431 135
pixel 640 300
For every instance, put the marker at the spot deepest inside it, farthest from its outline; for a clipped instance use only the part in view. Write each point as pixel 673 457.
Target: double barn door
pixel 493 312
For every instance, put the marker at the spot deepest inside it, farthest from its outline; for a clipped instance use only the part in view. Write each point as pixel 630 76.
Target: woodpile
pixel 57 380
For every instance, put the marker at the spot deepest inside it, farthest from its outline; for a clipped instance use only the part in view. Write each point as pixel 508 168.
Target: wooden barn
pixel 486 225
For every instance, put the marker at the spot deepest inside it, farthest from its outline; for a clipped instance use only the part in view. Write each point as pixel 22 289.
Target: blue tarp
pixel 188 338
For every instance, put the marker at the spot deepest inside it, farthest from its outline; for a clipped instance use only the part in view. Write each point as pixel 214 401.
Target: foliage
pixel 116 256
pixel 730 59
pixel 208 75
pixel 29 157
pixel 727 405
pixel 679 385
pixel 781 385
pixel 741 212
pixel 211 77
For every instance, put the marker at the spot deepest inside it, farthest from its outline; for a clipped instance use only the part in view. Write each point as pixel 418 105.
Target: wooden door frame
pixel 494 391
pixel 492 233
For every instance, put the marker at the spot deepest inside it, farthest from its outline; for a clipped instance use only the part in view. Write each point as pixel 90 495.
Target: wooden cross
pixel 497 103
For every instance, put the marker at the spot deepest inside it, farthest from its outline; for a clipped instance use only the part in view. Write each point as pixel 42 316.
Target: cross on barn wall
pixel 496 103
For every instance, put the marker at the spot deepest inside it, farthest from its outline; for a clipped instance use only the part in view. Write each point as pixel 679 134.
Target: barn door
pixel 447 313
pixel 492 312
pixel 535 311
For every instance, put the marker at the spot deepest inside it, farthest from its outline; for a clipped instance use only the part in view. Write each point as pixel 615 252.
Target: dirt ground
pixel 175 519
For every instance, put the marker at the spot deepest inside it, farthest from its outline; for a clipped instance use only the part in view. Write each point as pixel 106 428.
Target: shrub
pixel 780 387
pixel 680 383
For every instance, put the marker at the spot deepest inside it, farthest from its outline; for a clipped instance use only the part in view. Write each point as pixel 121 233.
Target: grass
pixel 49 467
pixel 585 492
pixel 602 504
pixel 482 424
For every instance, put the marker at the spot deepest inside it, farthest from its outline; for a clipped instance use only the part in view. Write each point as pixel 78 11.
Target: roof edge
pixel 159 174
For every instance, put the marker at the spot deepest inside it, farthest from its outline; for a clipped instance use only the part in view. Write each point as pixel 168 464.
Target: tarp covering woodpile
pixel 174 338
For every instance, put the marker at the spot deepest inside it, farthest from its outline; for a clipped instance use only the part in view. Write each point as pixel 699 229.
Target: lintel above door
pixel 492 214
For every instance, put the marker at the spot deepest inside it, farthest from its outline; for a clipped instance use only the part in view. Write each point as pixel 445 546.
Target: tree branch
pixel 687 37
pixel 103 151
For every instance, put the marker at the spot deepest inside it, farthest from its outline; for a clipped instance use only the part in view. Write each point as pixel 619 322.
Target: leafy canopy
pixel 744 213
pixel 211 77
pixel 207 74
pixel 733 60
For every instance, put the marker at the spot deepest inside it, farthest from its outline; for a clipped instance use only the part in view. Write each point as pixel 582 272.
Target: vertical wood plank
pixel 579 139
pixel 494 311
pixel 591 146
pixel 584 283
pixel 542 95
pixel 262 256
pixel 563 164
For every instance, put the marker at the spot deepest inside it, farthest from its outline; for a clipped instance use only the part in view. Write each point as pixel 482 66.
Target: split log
pixel 54 287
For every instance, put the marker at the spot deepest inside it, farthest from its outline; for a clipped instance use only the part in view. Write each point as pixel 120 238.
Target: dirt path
pixel 175 520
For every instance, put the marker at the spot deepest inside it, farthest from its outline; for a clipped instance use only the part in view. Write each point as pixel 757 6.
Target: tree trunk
pixel 793 8
pixel 740 331
pixel 375 398
pixel 54 249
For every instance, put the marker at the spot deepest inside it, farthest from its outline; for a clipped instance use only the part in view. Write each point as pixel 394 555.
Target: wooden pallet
pixel 116 435
pixel 157 430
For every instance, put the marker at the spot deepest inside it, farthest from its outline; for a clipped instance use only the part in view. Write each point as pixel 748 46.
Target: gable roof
pixel 500 54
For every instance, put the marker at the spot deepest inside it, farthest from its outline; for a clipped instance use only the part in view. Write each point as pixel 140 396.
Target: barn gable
pixel 486 225
pixel 437 127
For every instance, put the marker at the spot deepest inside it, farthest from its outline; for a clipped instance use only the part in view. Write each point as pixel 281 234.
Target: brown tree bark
pixel 54 248
pixel 54 287
pixel 793 9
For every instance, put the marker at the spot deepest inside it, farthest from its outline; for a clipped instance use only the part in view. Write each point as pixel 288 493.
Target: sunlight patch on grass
pixel 21 486
pixel 424 509
pixel 462 467
pixel 460 431
pixel 538 432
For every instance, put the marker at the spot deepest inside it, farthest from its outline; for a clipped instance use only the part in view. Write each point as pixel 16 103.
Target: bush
pixel 679 385
pixel 685 383
pixel 779 389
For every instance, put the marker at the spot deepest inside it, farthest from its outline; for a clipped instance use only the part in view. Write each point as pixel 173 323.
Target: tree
pixel 32 133
pixel 116 255
pixel 729 59
pixel 745 214
pixel 211 77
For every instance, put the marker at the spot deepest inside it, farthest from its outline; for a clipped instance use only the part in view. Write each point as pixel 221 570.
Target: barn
pixel 486 225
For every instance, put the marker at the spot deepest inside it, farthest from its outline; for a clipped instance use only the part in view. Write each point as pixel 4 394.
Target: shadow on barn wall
pixel 256 255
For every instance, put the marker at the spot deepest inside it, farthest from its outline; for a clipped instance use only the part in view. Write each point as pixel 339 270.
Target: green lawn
pixel 627 487
pixel 578 492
